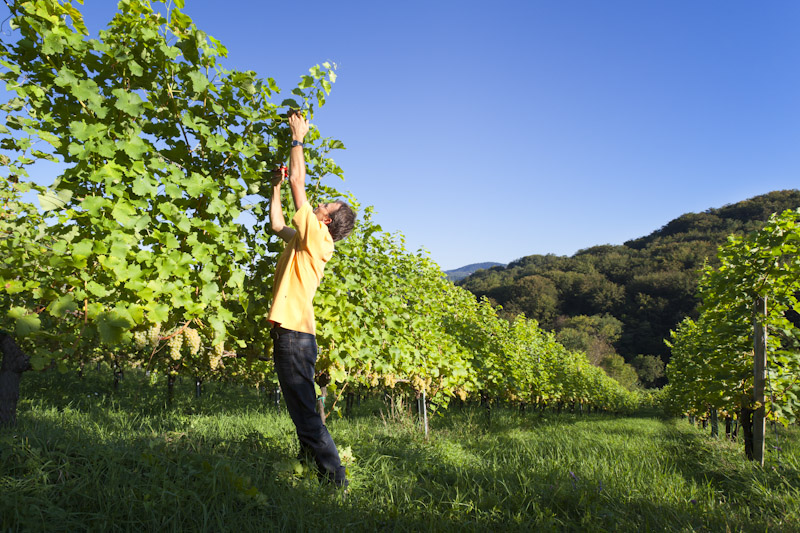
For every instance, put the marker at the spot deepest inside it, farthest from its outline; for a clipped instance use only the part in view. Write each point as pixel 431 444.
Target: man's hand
pixel 298 124
pixel 278 176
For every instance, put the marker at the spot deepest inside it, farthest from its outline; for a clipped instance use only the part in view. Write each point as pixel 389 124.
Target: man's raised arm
pixel 276 220
pixel 297 164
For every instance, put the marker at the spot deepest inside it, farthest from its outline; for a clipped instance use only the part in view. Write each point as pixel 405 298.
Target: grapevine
pixel 161 162
pixel 712 357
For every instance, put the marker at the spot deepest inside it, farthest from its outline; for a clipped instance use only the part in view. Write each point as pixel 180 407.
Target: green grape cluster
pixel 175 343
pixel 192 340
pixel 419 384
pixel 154 334
pixel 216 356
pixel 140 339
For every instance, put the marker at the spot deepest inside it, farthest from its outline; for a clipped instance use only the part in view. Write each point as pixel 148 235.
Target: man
pixel 297 277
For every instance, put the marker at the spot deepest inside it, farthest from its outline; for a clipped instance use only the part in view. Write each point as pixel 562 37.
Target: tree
pixel 593 335
pixel 616 367
pixel 649 368
pixel 534 296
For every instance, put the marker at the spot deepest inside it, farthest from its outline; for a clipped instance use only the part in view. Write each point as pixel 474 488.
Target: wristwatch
pixel 297 143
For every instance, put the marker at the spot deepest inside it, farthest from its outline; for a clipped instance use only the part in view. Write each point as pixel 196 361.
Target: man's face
pixel 324 212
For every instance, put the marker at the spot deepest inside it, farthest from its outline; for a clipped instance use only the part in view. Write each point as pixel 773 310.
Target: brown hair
pixel 342 222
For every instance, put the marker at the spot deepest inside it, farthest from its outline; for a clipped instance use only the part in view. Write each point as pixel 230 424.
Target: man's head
pixel 339 218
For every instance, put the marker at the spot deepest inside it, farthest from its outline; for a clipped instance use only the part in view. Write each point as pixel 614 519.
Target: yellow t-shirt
pixel 299 272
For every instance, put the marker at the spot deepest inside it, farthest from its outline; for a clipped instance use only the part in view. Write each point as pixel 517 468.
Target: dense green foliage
pixel 144 259
pixel 648 284
pixel 648 367
pixel 163 151
pixel 388 318
pixel 86 458
pixel 712 362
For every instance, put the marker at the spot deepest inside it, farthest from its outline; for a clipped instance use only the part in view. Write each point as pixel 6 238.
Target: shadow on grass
pixel 57 476
pixel 61 477
pixel 496 491
pixel 120 460
pixel 557 488
pixel 735 478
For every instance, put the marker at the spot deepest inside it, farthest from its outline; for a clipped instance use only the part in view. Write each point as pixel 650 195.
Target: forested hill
pixel 648 284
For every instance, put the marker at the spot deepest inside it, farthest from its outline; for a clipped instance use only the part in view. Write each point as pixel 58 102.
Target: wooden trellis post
pixel 760 377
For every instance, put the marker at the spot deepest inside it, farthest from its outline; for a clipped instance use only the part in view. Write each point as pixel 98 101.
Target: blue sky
pixel 487 131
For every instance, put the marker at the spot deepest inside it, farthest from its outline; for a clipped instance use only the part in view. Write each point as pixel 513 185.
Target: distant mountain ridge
pixel 463 272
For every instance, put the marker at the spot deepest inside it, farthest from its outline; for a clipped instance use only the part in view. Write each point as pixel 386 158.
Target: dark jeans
pixel 295 355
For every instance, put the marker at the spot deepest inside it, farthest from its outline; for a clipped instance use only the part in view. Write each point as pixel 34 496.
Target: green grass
pixel 84 457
